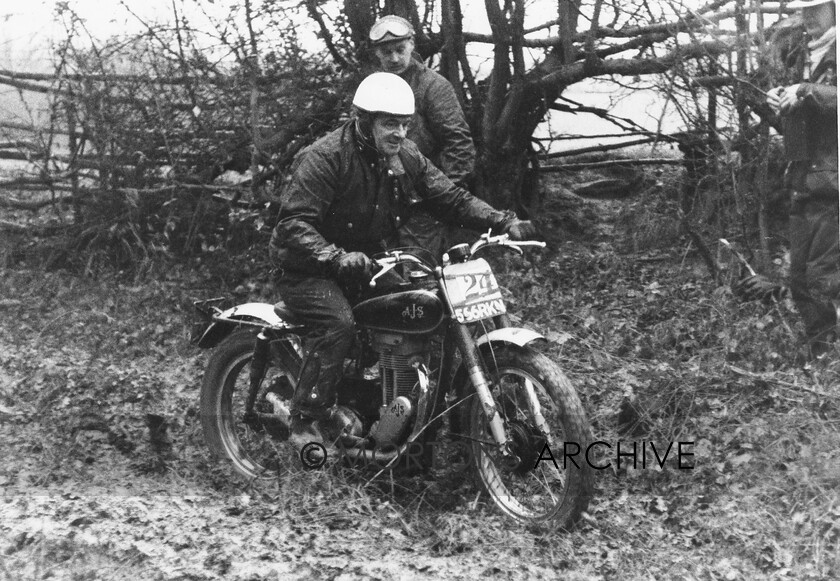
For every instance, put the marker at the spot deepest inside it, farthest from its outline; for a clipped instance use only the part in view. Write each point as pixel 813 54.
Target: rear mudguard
pixel 256 315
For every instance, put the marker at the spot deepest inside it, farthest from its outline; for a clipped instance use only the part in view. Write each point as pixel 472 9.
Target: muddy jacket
pixel 810 132
pixel 343 197
pixel 439 128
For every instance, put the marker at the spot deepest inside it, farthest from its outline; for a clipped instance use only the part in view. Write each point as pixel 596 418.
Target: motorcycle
pixel 439 344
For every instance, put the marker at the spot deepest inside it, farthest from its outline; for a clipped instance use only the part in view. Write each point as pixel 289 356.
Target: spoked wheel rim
pixel 251 447
pixel 528 488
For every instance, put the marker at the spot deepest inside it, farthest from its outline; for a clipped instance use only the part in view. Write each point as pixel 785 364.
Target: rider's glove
pixel 758 288
pixel 353 267
pixel 520 229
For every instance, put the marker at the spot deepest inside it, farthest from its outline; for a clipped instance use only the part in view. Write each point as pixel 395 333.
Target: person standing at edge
pixel 438 127
pixel 808 114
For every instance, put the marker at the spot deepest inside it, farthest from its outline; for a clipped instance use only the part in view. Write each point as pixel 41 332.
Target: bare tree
pixel 532 67
pixel 245 93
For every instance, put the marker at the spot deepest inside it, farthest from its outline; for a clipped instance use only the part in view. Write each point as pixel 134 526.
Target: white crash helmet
pixel 384 93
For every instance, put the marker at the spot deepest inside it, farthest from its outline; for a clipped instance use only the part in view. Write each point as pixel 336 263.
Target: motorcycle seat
pixel 282 311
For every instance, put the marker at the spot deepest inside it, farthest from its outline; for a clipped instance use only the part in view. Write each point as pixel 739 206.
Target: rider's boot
pixel 313 403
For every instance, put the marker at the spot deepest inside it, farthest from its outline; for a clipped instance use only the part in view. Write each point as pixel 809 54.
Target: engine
pixel 400 357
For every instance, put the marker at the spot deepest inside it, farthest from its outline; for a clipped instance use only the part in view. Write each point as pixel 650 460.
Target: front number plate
pixel 473 290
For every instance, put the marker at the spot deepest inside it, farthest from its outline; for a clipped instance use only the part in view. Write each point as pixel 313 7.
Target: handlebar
pixel 395 257
pixel 487 239
pixel 392 259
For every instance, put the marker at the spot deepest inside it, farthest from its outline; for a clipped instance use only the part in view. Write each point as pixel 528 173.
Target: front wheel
pixel 249 438
pixel 527 484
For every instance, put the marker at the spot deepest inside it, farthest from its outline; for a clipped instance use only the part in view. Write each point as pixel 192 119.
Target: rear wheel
pixel 251 440
pixel 527 484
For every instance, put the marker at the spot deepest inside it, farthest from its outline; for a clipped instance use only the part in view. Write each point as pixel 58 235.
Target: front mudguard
pixel 257 315
pixel 511 336
pixel 517 336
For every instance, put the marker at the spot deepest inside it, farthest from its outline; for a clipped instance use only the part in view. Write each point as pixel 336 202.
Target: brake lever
pixel 515 248
pixel 382 271
pixel 519 244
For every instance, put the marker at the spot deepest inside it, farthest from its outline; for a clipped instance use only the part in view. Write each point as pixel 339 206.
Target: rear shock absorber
pixel 257 373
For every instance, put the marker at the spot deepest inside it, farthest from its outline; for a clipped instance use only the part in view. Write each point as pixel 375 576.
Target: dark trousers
pixel 323 307
pixel 815 264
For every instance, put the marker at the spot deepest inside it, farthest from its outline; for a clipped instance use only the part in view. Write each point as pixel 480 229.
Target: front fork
pixel 475 371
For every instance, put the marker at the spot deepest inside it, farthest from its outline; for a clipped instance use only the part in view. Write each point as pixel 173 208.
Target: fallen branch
pixel 609 163
pixel 124 78
pixel 19 155
pixel 37 184
pixel 597 148
pixel 40 186
pixel 24 127
pixel 220 132
pixel 26 86
pixel 566 137
pixel 17 144
pixel 702 247
pixel 32 205
pixel 7 226
pixel 769 378
pixel 45 181
pixel 38 230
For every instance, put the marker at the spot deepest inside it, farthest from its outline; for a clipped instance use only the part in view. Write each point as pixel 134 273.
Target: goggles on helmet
pixel 390 28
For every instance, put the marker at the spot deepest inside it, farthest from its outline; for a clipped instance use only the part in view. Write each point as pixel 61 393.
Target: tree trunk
pixel 507 162
pixel 74 145
pixel 452 33
pixel 516 102
pixel 760 183
pixel 360 17
pixel 254 104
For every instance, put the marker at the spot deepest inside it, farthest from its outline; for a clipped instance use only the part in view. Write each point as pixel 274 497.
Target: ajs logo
pixel 413 312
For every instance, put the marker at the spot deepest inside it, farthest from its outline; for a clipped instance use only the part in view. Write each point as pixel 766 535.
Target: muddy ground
pixel 656 350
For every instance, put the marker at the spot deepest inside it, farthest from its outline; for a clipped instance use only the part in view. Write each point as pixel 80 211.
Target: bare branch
pixel 577 71
pixel 568 167
pixel 608 147
pixel 670 28
pixel 26 86
pixel 32 205
pixel 326 35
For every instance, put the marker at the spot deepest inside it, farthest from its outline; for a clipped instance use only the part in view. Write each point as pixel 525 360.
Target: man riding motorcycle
pixel 349 195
